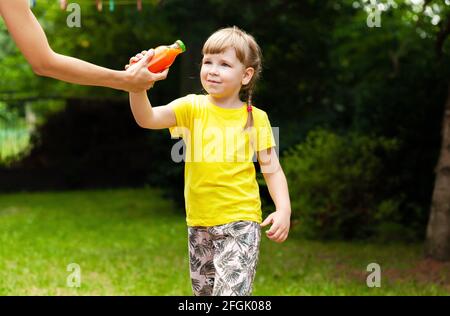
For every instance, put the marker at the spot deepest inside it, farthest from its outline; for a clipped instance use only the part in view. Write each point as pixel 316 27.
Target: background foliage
pixel 359 108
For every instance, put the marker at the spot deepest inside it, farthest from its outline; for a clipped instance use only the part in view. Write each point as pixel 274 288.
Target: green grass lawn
pixel 133 242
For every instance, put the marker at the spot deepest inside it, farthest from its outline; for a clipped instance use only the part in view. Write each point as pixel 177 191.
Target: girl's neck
pixel 226 102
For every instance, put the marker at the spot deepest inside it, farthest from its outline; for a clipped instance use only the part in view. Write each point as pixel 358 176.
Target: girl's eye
pixel 207 62
pixel 225 65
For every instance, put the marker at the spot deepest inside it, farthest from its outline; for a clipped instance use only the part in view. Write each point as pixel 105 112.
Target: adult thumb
pixel 267 221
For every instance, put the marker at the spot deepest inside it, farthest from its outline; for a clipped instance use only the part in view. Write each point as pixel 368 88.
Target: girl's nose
pixel 213 70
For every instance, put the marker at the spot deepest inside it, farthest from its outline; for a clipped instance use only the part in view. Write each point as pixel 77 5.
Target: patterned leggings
pixel 223 258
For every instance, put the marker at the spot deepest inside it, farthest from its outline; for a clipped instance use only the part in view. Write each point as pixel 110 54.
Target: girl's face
pixel 222 75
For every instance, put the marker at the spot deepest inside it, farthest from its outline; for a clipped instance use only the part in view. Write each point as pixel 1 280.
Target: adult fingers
pixel 148 56
pixel 133 60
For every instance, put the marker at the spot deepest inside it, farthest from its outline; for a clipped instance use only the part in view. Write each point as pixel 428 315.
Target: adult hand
pixel 140 77
pixel 135 59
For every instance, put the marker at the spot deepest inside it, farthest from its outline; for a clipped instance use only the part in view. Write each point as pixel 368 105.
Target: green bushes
pixel 340 189
pixel 14 135
pixel 91 144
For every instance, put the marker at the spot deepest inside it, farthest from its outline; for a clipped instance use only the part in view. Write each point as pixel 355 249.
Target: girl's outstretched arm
pixel 150 117
pixel 145 115
pixel 278 189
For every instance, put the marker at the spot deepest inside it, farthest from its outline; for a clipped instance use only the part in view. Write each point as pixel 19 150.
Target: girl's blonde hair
pixel 247 51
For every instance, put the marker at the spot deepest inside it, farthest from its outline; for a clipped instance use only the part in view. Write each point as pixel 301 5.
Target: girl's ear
pixel 248 75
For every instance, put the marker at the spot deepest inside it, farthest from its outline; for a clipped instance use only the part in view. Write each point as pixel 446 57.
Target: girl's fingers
pixel 273 230
pixel 127 66
pixel 267 221
pixel 277 234
pixel 281 238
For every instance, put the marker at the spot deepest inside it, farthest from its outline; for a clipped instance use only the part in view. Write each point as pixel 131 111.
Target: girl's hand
pixel 279 230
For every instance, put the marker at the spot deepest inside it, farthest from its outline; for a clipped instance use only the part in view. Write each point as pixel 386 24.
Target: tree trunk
pixel 438 230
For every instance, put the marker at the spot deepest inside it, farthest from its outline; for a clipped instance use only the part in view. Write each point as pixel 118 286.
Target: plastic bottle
pixel 165 56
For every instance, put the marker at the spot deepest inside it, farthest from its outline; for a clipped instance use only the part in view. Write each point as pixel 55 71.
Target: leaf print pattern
pixel 194 262
pixel 236 229
pixel 223 258
pixel 196 285
pixel 207 269
pixel 226 259
pixel 240 287
pixel 204 248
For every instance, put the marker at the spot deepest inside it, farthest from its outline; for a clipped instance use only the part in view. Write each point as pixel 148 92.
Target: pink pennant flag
pixel 99 5
pixel 63 4
pixel 139 5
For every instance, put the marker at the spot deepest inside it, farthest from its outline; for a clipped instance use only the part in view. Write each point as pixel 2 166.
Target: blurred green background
pixel 359 107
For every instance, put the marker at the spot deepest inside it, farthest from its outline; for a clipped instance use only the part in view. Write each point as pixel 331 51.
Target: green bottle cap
pixel 181 44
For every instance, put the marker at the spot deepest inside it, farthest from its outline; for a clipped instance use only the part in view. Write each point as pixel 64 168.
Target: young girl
pixel 222 199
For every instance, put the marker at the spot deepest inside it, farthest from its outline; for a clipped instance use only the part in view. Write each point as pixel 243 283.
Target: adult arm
pixel 32 42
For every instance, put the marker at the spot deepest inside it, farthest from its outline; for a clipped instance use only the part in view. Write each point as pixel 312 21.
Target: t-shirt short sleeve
pixel 263 131
pixel 182 108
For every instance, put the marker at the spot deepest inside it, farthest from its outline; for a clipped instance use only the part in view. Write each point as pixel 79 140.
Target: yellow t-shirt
pixel 220 177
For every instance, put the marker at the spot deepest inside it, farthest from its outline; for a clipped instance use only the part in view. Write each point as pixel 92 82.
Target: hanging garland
pixel 98 3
